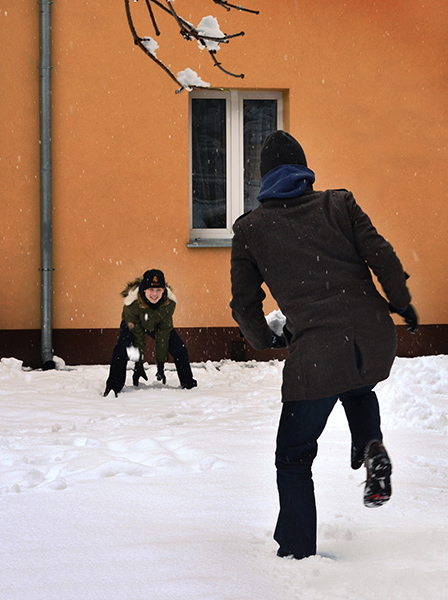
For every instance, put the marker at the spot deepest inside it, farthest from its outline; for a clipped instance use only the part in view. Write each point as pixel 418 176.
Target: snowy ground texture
pixel 169 494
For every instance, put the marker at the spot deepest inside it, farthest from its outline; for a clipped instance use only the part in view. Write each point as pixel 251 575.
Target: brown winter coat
pixel 314 253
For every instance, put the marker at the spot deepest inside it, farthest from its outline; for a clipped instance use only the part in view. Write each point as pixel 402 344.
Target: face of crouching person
pixel 153 295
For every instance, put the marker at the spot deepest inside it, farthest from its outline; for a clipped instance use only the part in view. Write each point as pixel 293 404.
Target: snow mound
pixel 10 367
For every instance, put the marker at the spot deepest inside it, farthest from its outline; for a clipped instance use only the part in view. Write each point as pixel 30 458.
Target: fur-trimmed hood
pixel 130 292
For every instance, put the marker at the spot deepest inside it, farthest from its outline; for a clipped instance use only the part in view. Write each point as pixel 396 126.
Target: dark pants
pixel 179 352
pixel 117 371
pixel 301 424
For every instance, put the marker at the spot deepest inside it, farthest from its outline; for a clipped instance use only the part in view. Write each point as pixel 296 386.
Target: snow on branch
pixel 207 34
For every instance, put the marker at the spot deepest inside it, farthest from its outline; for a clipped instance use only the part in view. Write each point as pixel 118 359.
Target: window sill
pixel 210 243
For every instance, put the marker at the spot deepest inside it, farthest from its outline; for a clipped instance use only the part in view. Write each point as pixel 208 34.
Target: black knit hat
pixel 152 279
pixel 280 148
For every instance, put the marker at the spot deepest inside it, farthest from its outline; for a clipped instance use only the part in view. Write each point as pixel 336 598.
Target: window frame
pixel 234 160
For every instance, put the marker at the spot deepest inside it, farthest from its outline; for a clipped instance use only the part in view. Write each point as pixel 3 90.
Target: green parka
pixel 140 317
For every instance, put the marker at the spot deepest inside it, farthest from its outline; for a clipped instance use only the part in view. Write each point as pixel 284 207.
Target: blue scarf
pixel 285 181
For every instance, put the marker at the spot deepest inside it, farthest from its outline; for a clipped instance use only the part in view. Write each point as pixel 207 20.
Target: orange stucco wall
pixel 367 96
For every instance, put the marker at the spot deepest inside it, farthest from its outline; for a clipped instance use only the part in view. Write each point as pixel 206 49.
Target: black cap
pixel 152 279
pixel 280 148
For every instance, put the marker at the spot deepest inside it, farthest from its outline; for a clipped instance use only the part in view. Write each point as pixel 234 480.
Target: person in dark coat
pixel 149 304
pixel 315 251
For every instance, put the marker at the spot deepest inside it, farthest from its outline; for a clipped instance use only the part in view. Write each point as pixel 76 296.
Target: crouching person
pixel 148 309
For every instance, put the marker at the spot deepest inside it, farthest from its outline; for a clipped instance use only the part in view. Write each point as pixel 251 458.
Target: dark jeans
pixel 176 348
pixel 301 424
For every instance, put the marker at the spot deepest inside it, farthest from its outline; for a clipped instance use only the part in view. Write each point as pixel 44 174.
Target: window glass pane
pixel 260 119
pixel 209 162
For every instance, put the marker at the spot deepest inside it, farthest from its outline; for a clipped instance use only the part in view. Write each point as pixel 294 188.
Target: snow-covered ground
pixel 169 494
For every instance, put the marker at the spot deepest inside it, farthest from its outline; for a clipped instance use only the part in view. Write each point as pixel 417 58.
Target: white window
pixel 227 130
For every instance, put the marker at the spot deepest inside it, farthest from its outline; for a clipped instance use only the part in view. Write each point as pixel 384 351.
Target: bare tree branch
pixel 229 6
pixel 221 68
pixel 138 42
pixel 189 33
pixel 153 19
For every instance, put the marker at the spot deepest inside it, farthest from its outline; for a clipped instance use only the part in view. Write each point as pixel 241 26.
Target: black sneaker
pixel 191 384
pixel 378 488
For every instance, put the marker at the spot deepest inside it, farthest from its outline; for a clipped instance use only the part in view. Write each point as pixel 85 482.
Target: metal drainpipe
pixel 46 235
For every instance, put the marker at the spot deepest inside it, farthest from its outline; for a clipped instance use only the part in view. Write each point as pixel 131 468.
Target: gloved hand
pixel 278 341
pixel 160 375
pixel 409 315
pixel 139 371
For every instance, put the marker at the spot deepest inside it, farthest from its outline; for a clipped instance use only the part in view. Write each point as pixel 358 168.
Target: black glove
pixel 409 315
pixel 139 371
pixel 160 375
pixel 278 342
